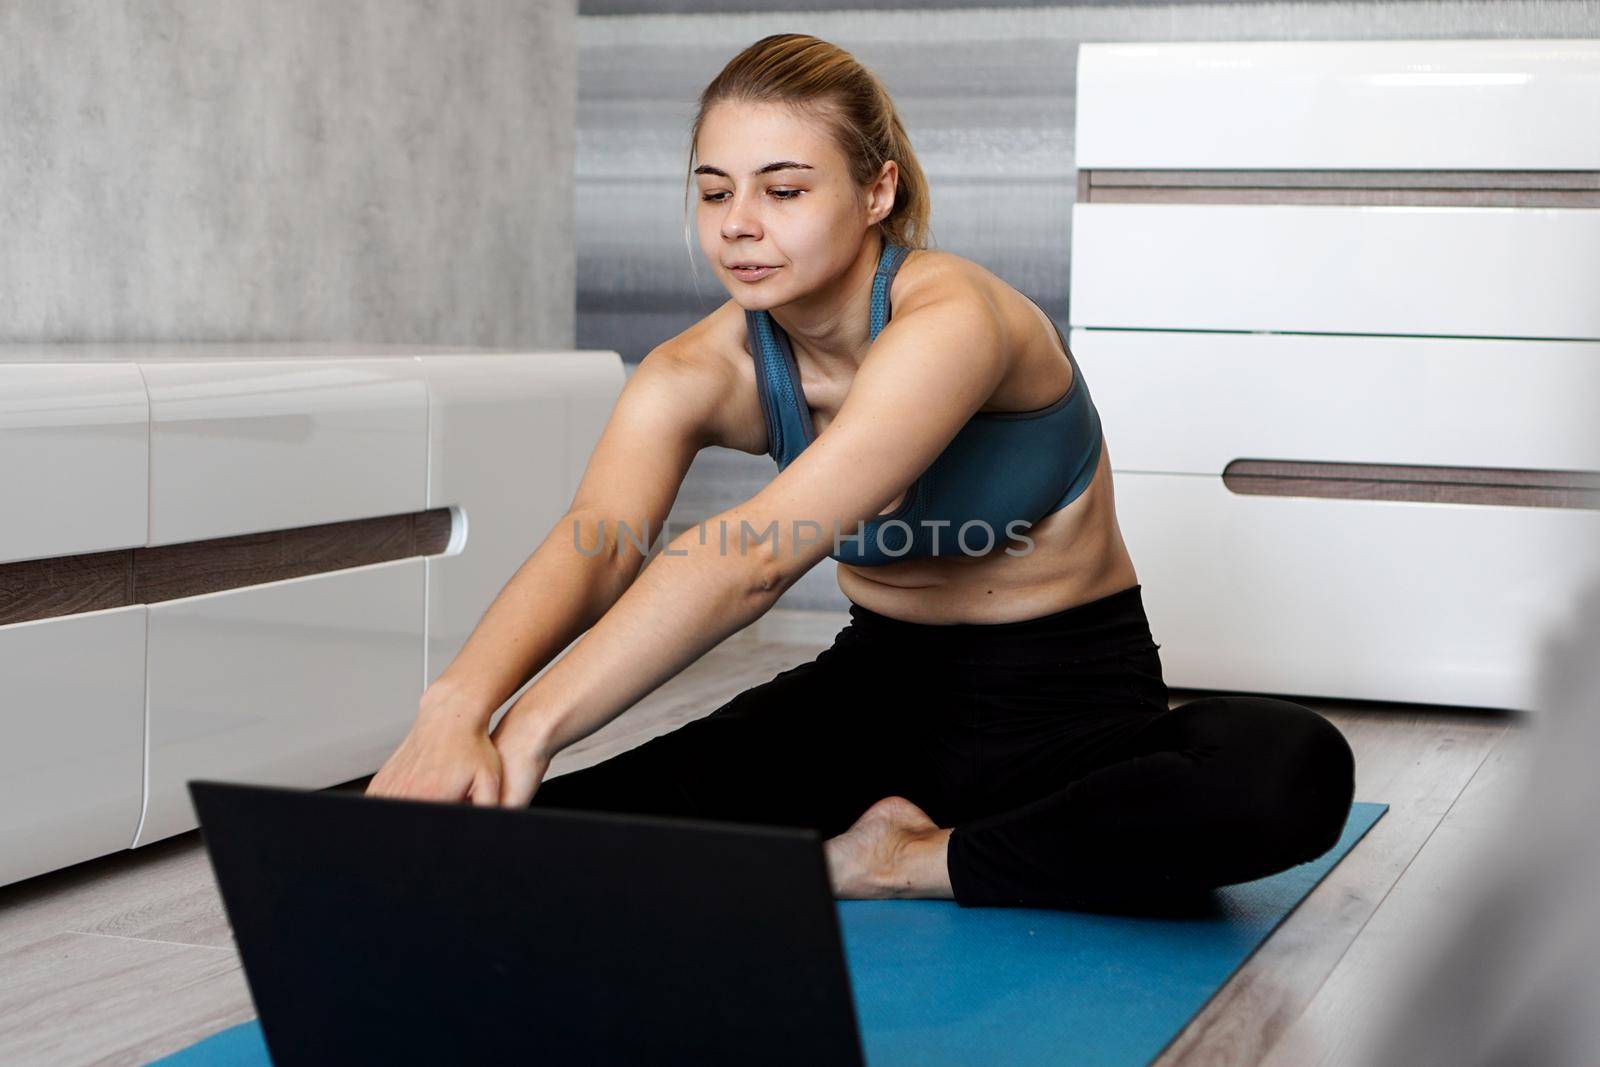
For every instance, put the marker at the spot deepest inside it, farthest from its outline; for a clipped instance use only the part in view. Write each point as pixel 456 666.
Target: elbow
pixel 762 576
pixel 767 580
pixel 747 572
pixel 753 543
pixel 766 571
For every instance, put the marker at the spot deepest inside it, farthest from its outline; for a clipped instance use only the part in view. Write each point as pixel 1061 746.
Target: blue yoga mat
pixel 936 983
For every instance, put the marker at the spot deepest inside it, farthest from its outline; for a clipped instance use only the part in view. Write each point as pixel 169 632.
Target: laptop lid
pixel 374 929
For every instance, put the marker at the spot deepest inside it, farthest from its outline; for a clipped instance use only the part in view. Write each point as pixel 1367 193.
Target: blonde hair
pixel 824 81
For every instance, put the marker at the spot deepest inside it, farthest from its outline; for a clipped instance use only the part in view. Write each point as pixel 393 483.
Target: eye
pixel 782 194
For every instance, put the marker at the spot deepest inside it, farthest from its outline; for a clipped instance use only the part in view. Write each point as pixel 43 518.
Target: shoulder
pixel 711 351
pixel 935 285
pixel 708 369
pixel 947 320
pixel 929 276
pixel 944 327
pixel 934 278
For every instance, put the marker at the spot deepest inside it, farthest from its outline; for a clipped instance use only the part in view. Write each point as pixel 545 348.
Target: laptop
pixel 374 929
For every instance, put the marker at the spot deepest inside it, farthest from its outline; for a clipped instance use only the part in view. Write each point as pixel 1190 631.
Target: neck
pixel 833 326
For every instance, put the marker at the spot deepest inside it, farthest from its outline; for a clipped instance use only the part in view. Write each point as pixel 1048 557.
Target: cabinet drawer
pixel 74 454
pixel 243 446
pixel 1192 402
pixel 1443 271
pixel 1362 599
pixel 307 682
pixel 71 739
pixel 1411 104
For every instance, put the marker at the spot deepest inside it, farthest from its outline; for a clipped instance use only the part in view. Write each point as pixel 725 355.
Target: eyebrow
pixel 782 164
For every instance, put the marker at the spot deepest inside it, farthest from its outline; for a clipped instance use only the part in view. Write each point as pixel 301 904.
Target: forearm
pixel 687 601
pixel 555 595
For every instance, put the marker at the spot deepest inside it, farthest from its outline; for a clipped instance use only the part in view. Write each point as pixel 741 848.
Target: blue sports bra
pixel 1000 467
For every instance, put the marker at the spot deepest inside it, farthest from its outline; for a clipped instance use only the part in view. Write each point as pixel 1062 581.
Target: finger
pixel 516 787
pixel 485 791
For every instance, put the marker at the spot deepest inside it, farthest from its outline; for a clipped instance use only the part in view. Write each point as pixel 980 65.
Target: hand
pixel 447 761
pixel 524 758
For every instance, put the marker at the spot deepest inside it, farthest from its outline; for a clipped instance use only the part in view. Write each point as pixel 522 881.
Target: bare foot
pixel 892 850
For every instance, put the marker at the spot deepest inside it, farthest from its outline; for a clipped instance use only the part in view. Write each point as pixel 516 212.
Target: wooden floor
pixel 129 957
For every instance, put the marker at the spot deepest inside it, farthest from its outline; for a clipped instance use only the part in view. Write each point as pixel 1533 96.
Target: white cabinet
pixel 151 456
pixel 1377 255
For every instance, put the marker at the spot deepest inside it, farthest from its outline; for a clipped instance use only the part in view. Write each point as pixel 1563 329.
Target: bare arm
pixel 929 370
pixel 690 598
pixel 659 423
pixel 553 597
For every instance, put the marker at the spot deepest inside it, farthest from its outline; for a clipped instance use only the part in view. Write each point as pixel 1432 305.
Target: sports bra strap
pixel 888 263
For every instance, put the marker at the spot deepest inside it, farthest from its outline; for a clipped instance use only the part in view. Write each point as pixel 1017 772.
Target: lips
pixel 750 274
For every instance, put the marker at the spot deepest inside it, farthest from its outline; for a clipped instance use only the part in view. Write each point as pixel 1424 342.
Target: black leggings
pixel 1046 744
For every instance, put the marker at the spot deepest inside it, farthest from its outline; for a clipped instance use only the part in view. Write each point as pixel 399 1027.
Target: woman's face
pixel 774 190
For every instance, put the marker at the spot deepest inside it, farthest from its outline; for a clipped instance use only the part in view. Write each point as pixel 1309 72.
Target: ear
pixel 880 197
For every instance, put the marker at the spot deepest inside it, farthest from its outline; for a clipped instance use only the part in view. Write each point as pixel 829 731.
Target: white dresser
pixel 246 561
pixel 1339 306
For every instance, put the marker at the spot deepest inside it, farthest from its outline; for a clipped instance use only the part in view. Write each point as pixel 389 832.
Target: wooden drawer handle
pixel 94 581
pixel 1431 485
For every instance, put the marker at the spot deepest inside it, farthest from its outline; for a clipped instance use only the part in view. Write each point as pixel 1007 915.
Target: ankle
pixel 918 865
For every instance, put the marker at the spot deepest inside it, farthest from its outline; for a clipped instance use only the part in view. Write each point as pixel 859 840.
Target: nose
pixel 740 220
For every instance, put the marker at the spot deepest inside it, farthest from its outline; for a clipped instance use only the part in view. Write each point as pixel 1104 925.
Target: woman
pixel 992 725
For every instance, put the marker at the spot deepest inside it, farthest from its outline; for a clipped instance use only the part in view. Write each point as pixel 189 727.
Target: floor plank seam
pixel 1488 753
pixel 1384 899
pixel 149 940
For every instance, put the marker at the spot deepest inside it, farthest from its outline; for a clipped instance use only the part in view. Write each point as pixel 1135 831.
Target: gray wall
pixel 376 170
pixel 987 97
